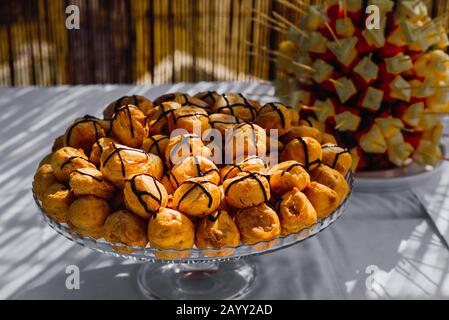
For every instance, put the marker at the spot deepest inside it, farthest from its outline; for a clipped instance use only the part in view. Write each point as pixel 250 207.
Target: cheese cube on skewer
pixel 345 89
pixel 325 109
pixel 400 89
pixel 413 10
pixel 313 18
pixel 367 69
pixel 389 126
pixel 315 43
pixel 413 114
pixel 347 121
pixel 434 134
pixel 344 27
pixel 372 99
pixel 344 50
pixel 373 141
pixel 427 153
pixel 322 71
pixel 399 63
pixel 374 37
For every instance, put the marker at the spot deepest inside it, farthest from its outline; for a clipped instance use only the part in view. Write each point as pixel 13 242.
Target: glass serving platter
pixel 196 273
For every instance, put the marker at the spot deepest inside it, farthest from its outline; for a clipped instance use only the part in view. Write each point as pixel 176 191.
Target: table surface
pixel 385 246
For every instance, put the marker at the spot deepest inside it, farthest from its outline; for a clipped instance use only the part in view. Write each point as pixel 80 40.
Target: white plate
pixel 398 178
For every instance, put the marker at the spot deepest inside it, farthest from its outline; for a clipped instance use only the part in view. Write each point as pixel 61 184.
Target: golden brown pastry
pixel 144 195
pixel 97 149
pixel 159 117
pixel 246 189
pixel 236 105
pixel 223 122
pixel 196 169
pixel 301 131
pixel 87 216
pixel 90 181
pixel 126 228
pixel 294 115
pixel 184 146
pixel 274 149
pixel 217 230
pixel 56 202
pixel 191 119
pixel 288 175
pixel 67 159
pixel 45 160
pixel 210 97
pixel 128 125
pixel 118 163
pixel 83 133
pixel 197 198
pixel 43 179
pixel 58 143
pixel 246 140
pixel 165 180
pixel 170 229
pixel 183 99
pixel 332 179
pixel 337 158
pixel 323 199
pixel 327 138
pixel 275 116
pixel 296 212
pixel 306 151
pixel 250 164
pixel 141 102
pixel 258 223
pixel 156 144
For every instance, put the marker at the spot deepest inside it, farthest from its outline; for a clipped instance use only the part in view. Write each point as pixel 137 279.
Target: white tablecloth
pixel 385 246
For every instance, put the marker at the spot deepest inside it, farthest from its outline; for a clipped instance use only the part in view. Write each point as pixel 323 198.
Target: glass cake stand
pixel 196 273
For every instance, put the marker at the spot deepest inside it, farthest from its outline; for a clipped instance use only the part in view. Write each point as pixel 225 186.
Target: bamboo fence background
pixel 138 41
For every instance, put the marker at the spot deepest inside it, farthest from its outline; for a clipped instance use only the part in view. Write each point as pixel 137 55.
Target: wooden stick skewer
pixel 291 6
pixel 290 24
pixel 265 24
pixel 270 19
pixel 280 54
pixel 313 108
pixel 340 124
pixel 332 33
pixel 336 82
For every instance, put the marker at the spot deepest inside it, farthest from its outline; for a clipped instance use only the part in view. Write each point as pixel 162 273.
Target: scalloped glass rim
pixel 196 255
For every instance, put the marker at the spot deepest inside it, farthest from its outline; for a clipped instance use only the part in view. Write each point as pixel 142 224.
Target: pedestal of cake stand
pixel 208 280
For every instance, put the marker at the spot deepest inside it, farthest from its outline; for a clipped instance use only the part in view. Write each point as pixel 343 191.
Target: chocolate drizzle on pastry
pixel 337 155
pixel 127 108
pixel 250 175
pixel 70 160
pixel 291 167
pixel 214 216
pixel 193 114
pixel 239 166
pixel 196 184
pixel 155 143
pixel 185 139
pixel 164 114
pixel 140 194
pixel 85 119
pixel 307 164
pixel 117 151
pixel 88 175
pixel 275 107
pixel 246 104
